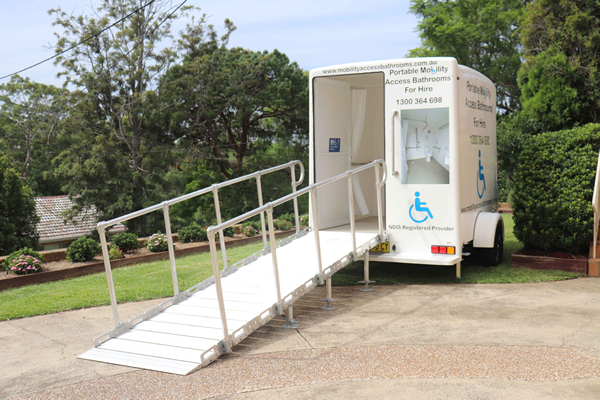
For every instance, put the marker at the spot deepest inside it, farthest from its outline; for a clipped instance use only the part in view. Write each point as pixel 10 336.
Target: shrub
pixel 304 220
pixel 253 224
pixel 114 253
pixel 249 231
pixel 25 250
pixel 17 254
pixel 125 241
pixel 553 189
pixel 157 243
pixel 83 249
pixel 289 217
pixel 192 233
pixel 25 264
pixel 282 225
pixel 228 232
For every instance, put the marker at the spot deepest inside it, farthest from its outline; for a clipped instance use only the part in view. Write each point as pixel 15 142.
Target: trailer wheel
pixel 493 256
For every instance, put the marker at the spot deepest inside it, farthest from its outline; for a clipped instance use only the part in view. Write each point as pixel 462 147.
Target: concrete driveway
pixel 525 341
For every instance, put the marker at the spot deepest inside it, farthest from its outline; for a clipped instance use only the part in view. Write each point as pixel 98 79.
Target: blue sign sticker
pixel 419 206
pixel 480 178
pixel 334 145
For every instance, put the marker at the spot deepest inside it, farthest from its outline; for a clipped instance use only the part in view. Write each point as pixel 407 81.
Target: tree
pixel 118 73
pixel 235 102
pixel 32 113
pixel 18 219
pixel 560 78
pixel 118 70
pixel 240 111
pixel 480 34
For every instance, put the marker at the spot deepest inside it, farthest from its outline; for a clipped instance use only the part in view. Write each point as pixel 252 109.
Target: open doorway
pixel 348 118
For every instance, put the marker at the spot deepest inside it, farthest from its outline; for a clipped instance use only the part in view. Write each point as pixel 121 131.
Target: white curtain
pixel 359 105
pixel 403 145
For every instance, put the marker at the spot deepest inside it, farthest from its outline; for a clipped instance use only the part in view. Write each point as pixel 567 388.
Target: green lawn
pixel 153 280
pixel 140 282
pixel 392 274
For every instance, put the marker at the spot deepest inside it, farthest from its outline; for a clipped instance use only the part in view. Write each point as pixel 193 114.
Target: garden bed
pixel 58 270
pixel 576 263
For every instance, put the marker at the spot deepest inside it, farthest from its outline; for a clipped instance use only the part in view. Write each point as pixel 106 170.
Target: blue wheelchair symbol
pixel 480 177
pixel 419 206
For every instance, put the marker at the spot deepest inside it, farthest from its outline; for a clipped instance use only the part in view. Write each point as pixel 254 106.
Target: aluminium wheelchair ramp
pixel 179 337
pixel 194 327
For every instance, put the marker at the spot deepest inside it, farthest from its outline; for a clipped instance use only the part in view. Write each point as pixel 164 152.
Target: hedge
pixel 554 184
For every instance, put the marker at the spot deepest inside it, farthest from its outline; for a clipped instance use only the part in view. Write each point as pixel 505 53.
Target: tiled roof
pixel 52 225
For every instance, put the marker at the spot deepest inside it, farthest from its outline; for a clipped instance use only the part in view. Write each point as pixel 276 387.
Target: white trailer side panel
pixel 477 148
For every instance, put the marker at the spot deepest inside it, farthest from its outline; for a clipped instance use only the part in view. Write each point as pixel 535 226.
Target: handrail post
pixel 351 207
pixel 293 168
pixel 262 214
pixel 313 194
pixel 274 257
pixel 221 235
pixel 219 288
pixel 109 278
pixel 171 248
pixel 378 187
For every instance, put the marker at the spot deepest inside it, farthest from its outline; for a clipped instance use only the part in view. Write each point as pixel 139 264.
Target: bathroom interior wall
pixel 441 139
pixel 416 140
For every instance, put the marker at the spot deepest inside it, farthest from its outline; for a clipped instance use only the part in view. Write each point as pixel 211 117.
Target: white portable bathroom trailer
pixel 434 123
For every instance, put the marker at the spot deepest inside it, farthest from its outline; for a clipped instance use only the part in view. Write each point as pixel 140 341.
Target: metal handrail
pixel 103 225
pixel 268 208
pixel 300 192
pixel 596 206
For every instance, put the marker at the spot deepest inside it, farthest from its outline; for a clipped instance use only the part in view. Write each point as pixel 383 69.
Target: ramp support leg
pixel 458 270
pixel 328 298
pixel 226 346
pixel 290 322
pixel 367 280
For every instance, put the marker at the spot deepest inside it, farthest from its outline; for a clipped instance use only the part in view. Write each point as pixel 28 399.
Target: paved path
pixel 531 341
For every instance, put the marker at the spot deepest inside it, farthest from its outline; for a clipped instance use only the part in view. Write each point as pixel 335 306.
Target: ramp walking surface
pixel 528 341
pixel 186 336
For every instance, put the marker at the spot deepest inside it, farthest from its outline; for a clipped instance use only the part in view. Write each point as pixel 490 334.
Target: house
pixel 55 233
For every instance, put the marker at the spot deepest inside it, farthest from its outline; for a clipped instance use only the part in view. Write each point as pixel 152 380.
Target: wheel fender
pixel 485 229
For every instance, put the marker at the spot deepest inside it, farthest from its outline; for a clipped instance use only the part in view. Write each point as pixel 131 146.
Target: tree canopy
pixel 235 102
pixel 152 121
pixel 31 115
pixel 122 145
pixel 18 219
pixel 560 77
pixel 480 34
pixel 235 107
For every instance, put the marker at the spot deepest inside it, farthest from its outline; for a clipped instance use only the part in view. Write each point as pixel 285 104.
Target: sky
pixel 313 33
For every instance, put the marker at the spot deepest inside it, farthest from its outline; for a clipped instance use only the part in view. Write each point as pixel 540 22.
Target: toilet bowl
pixel 427 153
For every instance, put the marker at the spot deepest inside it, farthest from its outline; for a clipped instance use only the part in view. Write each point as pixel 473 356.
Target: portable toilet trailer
pixel 434 123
